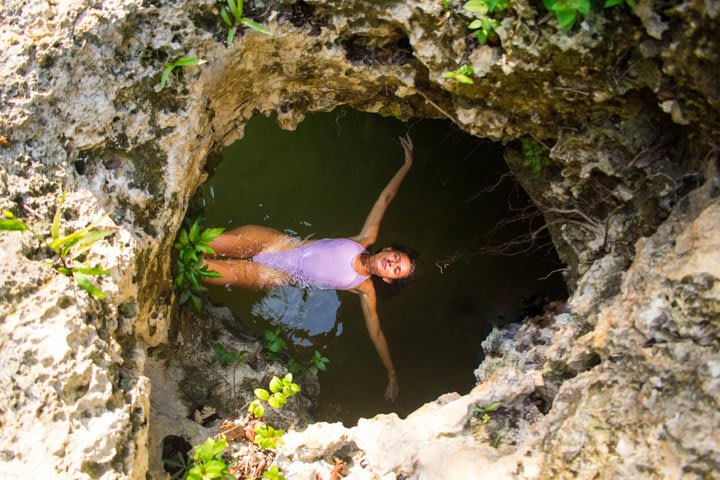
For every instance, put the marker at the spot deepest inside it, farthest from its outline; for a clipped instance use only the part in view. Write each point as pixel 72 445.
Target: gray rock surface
pixel 624 385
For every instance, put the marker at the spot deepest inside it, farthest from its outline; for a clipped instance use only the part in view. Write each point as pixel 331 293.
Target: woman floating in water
pixel 263 257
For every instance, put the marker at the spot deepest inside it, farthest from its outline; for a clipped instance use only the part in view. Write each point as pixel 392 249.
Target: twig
pixel 565 269
pixel 573 90
pixel 456 122
pixel 27 208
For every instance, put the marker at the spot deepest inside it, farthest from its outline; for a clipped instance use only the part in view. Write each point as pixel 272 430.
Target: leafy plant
pixel 612 3
pixel 280 391
pixel 232 15
pixel 208 462
pixel 295 367
pixel 68 248
pixel 224 357
pixel 267 437
pixel 566 11
pixel 535 156
pixel 485 411
pixel 273 473
pixel 184 61
pixel 496 441
pixel 192 245
pixel 319 362
pixel 461 75
pixel 183 465
pixel 484 25
pixel 274 344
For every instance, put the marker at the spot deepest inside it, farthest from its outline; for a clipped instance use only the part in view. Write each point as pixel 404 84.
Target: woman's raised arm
pixel 370 229
pixel 369 308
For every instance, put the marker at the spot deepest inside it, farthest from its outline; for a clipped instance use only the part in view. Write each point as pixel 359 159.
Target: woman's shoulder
pixel 366 287
pixel 362 240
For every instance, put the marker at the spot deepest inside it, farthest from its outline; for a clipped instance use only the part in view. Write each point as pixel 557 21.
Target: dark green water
pixel 322 180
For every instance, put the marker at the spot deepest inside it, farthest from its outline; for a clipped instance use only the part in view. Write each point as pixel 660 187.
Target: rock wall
pixel 627 102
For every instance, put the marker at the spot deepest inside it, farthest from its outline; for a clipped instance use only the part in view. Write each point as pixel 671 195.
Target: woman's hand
pixel 407 145
pixel 392 390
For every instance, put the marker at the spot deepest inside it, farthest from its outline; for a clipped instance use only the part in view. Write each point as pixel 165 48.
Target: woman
pixel 264 257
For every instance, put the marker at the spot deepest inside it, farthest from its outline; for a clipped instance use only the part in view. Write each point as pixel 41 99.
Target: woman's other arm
pixel 370 229
pixel 369 308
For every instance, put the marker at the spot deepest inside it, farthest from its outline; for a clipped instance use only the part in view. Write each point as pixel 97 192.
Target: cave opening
pixel 321 181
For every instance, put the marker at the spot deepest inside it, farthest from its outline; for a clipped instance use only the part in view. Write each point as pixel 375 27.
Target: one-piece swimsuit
pixel 326 263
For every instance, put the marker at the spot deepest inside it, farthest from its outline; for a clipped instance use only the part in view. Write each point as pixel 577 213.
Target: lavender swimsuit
pixel 325 264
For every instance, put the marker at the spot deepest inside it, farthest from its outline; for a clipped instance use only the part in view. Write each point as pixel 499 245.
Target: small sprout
pixel 184 61
pixel 535 156
pixel 274 344
pixel 267 437
pixel 566 11
pixel 461 75
pixel 232 16
pixel 319 362
pixel 484 25
pixel 68 248
pixel 224 357
pixel 611 3
pixel 273 473
pixel 295 367
pixel 485 411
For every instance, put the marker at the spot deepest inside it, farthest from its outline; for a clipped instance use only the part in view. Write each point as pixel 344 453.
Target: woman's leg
pixel 245 274
pixel 249 240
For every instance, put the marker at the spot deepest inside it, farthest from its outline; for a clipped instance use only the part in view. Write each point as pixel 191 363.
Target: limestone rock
pixel 626 104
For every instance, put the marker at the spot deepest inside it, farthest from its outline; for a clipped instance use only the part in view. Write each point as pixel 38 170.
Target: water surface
pixel 321 181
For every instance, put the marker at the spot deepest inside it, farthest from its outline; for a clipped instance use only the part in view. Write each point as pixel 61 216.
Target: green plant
pixel 232 15
pixel 280 391
pixel 612 3
pixel 496 441
pixel 295 367
pixel 183 465
pixel 535 156
pixel 485 411
pixel 319 362
pixel 225 357
pixel 267 437
pixel 566 11
pixel 273 473
pixel 274 344
pixel 68 248
pixel 184 61
pixel 192 245
pixel 484 25
pixel 461 75
pixel 208 462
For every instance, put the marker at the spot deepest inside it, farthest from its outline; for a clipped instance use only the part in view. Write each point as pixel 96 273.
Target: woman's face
pixel 391 264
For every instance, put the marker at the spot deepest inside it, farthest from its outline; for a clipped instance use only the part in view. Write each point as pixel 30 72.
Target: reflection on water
pixel 303 312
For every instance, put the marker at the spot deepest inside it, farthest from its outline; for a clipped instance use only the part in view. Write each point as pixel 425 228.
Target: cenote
pixel 321 181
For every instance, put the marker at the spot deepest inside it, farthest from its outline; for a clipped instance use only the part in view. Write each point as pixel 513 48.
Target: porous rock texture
pixel 623 385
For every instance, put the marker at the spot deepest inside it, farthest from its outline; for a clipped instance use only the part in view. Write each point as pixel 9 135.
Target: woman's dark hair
pixel 412 255
pixel 385 290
